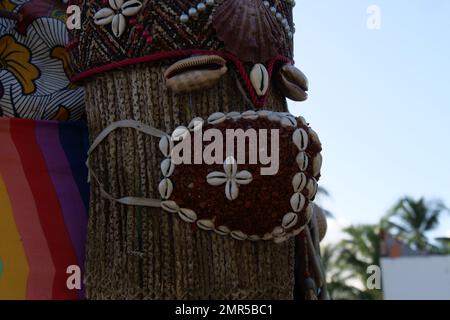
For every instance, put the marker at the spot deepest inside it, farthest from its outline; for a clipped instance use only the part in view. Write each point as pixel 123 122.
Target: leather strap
pixel 141 127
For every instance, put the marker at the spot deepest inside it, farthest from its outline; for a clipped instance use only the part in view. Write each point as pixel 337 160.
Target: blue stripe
pixel 74 139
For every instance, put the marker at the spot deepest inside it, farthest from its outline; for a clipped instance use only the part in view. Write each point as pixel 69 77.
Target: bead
pixel 273 10
pixel 279 16
pixel 193 12
pixel 284 22
pixel 201 7
pixel 184 18
pixel 209 2
pixel 266 4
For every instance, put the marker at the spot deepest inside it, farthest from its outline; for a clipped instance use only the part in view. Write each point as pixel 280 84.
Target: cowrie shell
pixel 238 235
pixel 165 188
pixel 234 115
pixel 187 215
pixel 216 178
pixel 264 113
pixel 131 8
pixel 118 25
pixel 300 139
pixel 196 124
pixel 166 145
pixel 288 122
pixel 281 239
pixel 216 118
pixel 205 224
pixel 115 4
pixel 259 78
pixel 317 165
pixel 167 167
pixel 309 212
pixel 180 133
pixel 267 236
pixel 222 230
pixel 170 206
pixel 311 188
pixel 230 167
pixel 289 220
pixel 278 231
pixel 244 177
pixel 302 161
pixel 274 117
pixel 254 238
pixel 298 201
pixel 250 115
pixel 231 190
pixel 299 182
pixel 103 16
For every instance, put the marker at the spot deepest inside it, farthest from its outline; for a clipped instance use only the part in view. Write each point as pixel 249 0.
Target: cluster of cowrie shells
pixel 304 188
pixel 116 15
pixel 284 118
pixel 231 177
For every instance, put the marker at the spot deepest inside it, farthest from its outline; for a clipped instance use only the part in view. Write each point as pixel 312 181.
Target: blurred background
pixel 379 96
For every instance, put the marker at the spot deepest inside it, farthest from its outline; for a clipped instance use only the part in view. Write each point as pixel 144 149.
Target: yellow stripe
pixel 13 279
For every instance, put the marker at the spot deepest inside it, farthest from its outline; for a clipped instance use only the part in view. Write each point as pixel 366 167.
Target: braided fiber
pixel 146 253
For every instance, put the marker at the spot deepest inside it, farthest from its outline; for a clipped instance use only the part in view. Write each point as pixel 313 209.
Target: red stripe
pixel 48 207
pixel 257 101
pixel 40 278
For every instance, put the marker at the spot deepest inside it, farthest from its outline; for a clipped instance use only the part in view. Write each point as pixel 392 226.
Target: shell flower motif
pixel 116 15
pixel 231 177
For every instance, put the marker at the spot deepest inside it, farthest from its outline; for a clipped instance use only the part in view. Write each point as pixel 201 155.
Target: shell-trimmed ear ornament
pixel 292 83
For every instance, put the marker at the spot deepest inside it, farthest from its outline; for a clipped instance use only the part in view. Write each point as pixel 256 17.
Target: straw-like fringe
pixel 170 260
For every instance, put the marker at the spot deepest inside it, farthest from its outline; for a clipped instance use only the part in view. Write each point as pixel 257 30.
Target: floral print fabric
pixel 34 63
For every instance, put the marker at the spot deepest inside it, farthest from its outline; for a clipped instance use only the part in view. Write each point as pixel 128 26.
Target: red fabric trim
pixel 257 101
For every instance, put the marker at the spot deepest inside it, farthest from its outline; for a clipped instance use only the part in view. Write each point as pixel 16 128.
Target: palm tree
pixel 358 252
pixel 337 278
pixel 346 263
pixel 443 246
pixel 411 220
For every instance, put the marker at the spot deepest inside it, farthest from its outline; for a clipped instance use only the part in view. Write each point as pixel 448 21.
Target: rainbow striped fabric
pixel 43 207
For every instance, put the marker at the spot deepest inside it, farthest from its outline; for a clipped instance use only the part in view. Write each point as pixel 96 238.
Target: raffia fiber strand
pixel 177 263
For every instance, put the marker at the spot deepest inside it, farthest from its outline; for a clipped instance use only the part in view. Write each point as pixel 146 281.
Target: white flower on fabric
pixel 116 15
pixel 231 177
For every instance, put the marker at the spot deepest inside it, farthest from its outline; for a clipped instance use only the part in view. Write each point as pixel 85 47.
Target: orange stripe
pixel 42 270
pixel 13 280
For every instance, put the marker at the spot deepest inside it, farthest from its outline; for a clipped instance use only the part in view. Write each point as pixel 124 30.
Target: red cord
pixel 257 101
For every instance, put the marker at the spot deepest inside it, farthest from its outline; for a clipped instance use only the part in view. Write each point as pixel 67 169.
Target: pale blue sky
pixel 380 101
